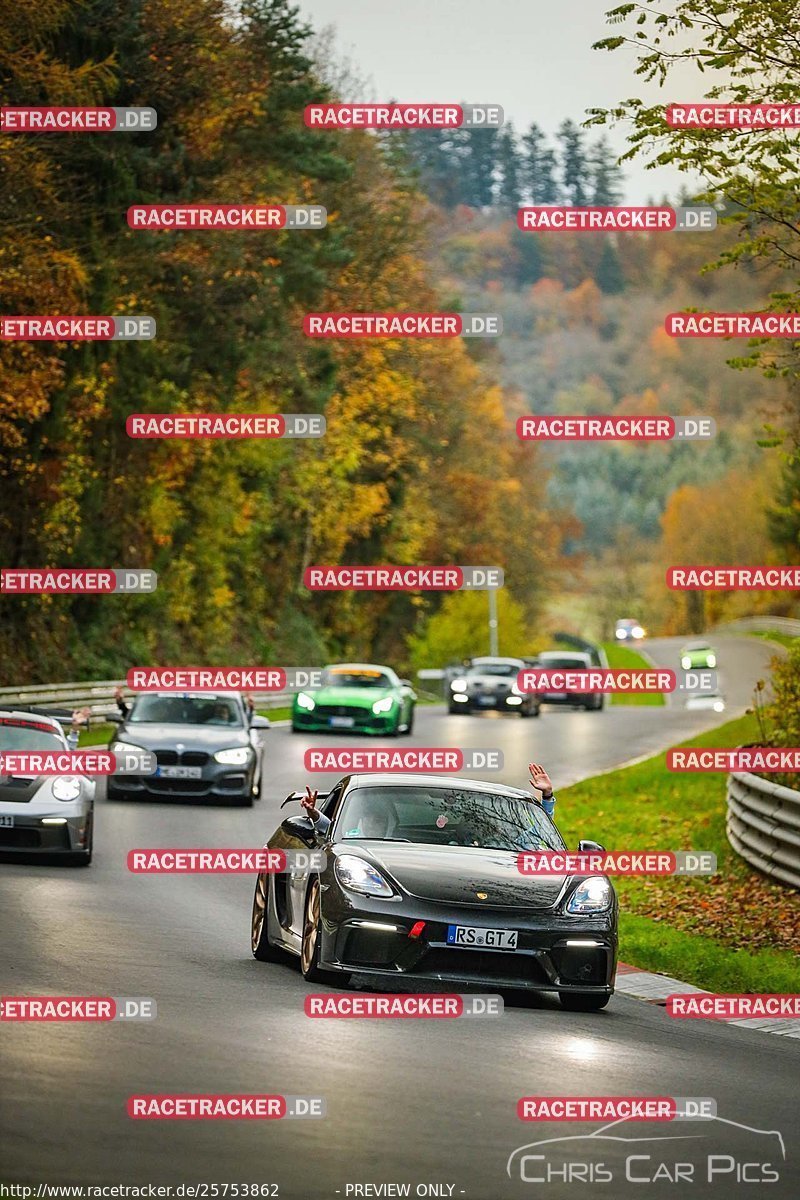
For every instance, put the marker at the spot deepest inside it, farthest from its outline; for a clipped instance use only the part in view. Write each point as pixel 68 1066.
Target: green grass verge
pixel 623 656
pixel 734 931
pixel 783 639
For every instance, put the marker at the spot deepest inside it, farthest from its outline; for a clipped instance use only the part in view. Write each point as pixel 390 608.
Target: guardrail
pixel 96 695
pixel 763 825
pixel 788 625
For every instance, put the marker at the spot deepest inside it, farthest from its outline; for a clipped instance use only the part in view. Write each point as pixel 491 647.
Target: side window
pixel 331 803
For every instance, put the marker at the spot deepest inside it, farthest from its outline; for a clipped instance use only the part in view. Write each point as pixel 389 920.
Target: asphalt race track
pixel 421 1102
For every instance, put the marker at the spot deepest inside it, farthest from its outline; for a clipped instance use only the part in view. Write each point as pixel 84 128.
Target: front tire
pixel 583 1001
pixel 259 924
pixel 312 938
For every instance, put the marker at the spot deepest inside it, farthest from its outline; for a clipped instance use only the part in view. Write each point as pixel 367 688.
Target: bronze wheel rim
pixel 259 911
pixel 310 927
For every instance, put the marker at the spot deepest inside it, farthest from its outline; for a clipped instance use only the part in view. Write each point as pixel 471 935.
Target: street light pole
pixel 493 622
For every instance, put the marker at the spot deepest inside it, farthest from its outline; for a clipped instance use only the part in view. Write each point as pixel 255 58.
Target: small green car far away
pixel 356 698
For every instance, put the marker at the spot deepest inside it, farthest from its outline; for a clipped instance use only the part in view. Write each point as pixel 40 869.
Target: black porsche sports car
pixel 421 883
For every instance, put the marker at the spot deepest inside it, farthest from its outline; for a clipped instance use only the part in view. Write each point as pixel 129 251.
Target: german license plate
pixel 486 700
pixel 342 722
pixel 7 821
pixel 181 772
pixel 472 937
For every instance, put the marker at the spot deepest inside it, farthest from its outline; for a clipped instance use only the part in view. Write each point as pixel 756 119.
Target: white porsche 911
pixel 48 815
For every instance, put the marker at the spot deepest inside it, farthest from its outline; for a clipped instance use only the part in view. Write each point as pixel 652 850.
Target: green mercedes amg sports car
pixel 356 698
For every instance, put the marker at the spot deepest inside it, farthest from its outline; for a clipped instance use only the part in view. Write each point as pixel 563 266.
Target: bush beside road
pixel 735 931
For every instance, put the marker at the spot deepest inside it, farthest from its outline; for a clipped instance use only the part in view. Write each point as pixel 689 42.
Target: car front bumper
pixel 364 721
pixel 217 782
pixel 373 939
pixel 34 832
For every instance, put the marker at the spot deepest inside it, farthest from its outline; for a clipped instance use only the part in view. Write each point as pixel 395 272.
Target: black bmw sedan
pixel 207 748
pixel 421 883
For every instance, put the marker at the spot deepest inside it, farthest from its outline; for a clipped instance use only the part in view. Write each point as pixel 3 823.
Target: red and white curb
pixel 654 988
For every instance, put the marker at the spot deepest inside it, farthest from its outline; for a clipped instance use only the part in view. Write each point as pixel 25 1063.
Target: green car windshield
pixel 336 677
pixel 446 816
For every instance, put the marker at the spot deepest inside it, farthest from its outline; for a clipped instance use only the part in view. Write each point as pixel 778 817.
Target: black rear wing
pixel 296 797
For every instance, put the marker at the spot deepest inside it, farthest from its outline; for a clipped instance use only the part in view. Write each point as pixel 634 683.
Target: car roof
pixel 498 658
pixel 412 779
pixel 192 694
pixel 29 718
pixel 565 654
pixel 356 667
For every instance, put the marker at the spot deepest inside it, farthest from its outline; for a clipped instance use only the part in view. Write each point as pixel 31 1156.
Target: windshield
pixel 562 662
pixel 494 668
pixel 186 710
pixel 443 816
pixel 342 677
pixel 29 737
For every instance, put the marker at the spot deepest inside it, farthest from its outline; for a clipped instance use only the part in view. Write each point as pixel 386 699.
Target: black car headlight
pixel 593 895
pixel 358 875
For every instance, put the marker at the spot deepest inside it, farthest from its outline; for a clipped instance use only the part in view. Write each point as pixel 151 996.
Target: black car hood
pixel 455 874
pixel 152 736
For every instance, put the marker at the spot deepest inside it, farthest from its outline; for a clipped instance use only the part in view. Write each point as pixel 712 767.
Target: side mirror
pixel 407 683
pixel 301 828
pixel 257 722
pixel 114 718
pixel 585 846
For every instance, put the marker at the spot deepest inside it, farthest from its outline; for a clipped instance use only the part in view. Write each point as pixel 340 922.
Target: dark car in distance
pixel 421 883
pixel 207 748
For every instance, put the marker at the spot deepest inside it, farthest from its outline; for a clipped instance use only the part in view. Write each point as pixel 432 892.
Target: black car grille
pixel 20 839
pixel 360 716
pixel 189 758
pixel 478 964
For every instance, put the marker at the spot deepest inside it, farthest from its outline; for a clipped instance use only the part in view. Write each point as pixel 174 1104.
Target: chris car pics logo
pixel 706 1150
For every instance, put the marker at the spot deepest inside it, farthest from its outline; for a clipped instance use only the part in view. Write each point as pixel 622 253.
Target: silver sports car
pixel 48 815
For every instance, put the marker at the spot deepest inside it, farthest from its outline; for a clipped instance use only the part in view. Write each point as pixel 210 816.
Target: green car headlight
pixel 383 706
pixel 306 702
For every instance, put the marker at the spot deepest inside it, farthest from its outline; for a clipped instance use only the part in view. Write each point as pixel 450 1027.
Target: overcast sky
pixel 533 58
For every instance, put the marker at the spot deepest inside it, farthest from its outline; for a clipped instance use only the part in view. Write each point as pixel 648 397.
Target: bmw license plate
pixel 7 821
pixel 472 937
pixel 342 722
pixel 181 772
